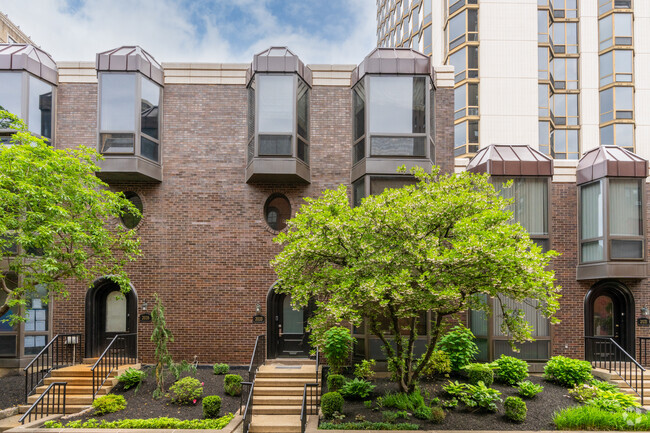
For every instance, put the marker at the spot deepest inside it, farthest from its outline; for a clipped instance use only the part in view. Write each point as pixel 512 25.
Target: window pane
pixel 607 105
pixel 626 249
pixel 603 316
pixel 149 149
pixel 529 205
pixel 397 146
pixel 117 143
pixel 625 135
pixel 624 207
pixel 292 320
pixel 379 184
pixel 607 135
pixel 460 104
pixel 472 57
pixel 11 91
pixel 538 322
pixel 275 145
pixel 7 345
pixel 40 107
pixel 117 102
pixel 456 27
pixel 624 98
pixel 419 105
pixel 149 108
pixel 459 61
pixel 623 62
pixel 359 120
pixel 592 251
pixel 251 112
pixel 391 105
pixel 605 32
pixel 303 109
pixel 115 312
pixel 591 201
pixel 358 191
pixel 275 103
pixel 623 25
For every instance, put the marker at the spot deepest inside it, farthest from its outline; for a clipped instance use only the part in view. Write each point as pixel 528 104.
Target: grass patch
pixel 593 418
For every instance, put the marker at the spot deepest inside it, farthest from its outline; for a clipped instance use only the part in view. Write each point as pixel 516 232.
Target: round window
pixel 277 211
pixel 129 219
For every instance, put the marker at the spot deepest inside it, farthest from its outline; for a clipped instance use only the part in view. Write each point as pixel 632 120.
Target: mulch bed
pixel 12 391
pixel 540 408
pixel 142 405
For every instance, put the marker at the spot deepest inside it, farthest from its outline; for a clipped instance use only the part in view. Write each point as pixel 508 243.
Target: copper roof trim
pixel 24 57
pixel 610 161
pixel 393 61
pixel 278 59
pixel 130 59
pixel 511 160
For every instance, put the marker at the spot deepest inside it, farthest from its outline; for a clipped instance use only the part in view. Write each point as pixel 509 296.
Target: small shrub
pixel 131 377
pixel 516 409
pixel 221 368
pixel 337 347
pixel 178 368
pixel 232 384
pixel 368 404
pixel 439 365
pixel 109 403
pixel 583 392
pixel 422 412
pixel 481 397
pixel 437 414
pixel 528 389
pixel 356 389
pixel 335 382
pixel 479 373
pixel 211 406
pixel 331 402
pixel 186 391
pixel 567 372
pixel 450 404
pixel 510 370
pixel 363 370
pixel 459 345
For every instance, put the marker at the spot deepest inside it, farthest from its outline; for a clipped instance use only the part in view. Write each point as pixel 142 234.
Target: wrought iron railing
pixel 61 351
pixel 248 411
pixel 605 353
pixel 243 397
pixel 310 399
pixel 52 401
pixel 122 350
pixel 258 357
pixel 644 356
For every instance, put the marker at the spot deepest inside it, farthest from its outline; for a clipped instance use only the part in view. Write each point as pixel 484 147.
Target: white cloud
pixel 165 29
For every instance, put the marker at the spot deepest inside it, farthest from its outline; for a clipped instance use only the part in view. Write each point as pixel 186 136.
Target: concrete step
pixel 277 410
pixel 11 422
pixel 72 389
pixel 290 361
pixel 90 361
pixel 279 390
pixel 83 399
pixel 84 370
pixel 281 382
pixel 69 408
pixel 275 424
pixel 78 381
pixel 278 400
pixel 307 372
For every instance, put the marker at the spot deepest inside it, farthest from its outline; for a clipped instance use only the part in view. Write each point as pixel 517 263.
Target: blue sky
pixel 220 31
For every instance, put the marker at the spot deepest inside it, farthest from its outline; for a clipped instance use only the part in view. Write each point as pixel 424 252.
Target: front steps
pixel 79 391
pixel 624 387
pixel 277 396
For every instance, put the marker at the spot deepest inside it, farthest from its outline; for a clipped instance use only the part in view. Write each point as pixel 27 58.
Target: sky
pixel 217 31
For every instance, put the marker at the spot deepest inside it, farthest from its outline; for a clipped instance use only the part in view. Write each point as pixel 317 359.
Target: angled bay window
pixel 392 112
pixel 130 108
pixel 465 63
pixel 611 184
pixel 28 78
pixel 614 29
pixel 616 66
pixel 462 28
pixel 565 38
pixel 279 88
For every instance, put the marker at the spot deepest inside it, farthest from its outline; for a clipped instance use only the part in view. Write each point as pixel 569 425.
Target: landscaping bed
pixel 13 391
pixel 540 408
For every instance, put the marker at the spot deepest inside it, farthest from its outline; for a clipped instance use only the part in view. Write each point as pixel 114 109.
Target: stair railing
pixel 310 398
pixel 52 401
pixel 644 357
pixel 258 357
pixel 62 350
pixel 605 353
pixel 248 412
pixel 123 349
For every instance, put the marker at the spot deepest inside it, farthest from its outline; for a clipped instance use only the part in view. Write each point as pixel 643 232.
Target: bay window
pixel 29 98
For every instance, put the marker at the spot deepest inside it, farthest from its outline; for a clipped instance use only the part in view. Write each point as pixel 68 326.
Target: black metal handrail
pixel 643 351
pixel 49 399
pixel 248 412
pixel 258 357
pixel 123 349
pixel 244 385
pixel 605 353
pixel 310 400
pixel 60 352
pixel 317 364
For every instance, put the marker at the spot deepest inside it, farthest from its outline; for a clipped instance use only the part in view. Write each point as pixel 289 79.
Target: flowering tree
pixel 58 221
pixel 434 246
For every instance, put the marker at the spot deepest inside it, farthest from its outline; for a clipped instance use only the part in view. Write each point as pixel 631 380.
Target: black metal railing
pixel 243 397
pixel 62 350
pixel 122 350
pixel 248 411
pixel 310 399
pixel 258 357
pixel 644 342
pixel 605 353
pixel 52 401
pixel 317 363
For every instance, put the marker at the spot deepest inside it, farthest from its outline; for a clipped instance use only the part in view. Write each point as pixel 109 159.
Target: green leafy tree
pixel 160 337
pixel 434 246
pixel 58 221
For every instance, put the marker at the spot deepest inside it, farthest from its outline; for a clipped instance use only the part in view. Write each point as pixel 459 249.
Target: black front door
pixel 288 336
pixel 609 310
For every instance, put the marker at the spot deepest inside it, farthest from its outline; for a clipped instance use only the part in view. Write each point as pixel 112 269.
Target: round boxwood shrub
pixel 480 373
pixel 335 382
pixel 567 372
pixel 109 403
pixel 221 368
pixel 211 406
pixel 331 402
pixel 516 409
pixel 232 384
pixel 437 415
pixel 186 390
pixel 510 370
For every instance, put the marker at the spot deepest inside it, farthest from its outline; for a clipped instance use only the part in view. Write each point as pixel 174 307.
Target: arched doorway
pixel 286 328
pixel 609 312
pixel 108 312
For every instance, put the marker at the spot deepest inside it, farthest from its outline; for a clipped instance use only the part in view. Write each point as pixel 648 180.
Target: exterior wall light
pixel 645 311
pixel 144 305
pixel 258 308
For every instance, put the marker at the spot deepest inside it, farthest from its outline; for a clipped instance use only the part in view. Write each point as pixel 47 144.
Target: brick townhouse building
pixel 218 156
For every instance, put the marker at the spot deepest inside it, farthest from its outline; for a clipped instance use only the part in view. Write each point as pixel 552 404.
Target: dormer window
pixel 279 87
pixel 130 100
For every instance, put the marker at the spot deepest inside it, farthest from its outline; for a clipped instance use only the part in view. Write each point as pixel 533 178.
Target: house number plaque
pixel 258 318
pixel 643 321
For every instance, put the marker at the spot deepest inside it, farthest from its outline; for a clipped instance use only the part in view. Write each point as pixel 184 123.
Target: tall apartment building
pixel 10 33
pixel 563 76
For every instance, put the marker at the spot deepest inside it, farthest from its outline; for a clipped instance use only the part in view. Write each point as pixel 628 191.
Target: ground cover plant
pixel 528 389
pixel 131 378
pixel 151 423
pixel 593 418
pixel 108 404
